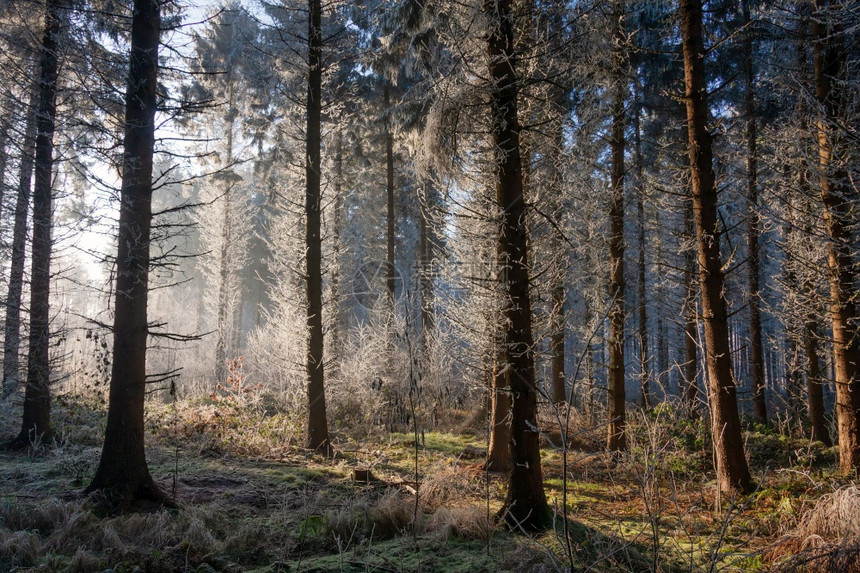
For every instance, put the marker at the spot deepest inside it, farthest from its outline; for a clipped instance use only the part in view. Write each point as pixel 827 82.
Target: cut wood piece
pixel 364 475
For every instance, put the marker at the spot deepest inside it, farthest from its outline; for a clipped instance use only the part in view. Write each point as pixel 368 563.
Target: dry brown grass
pixel 469 522
pixel 29 531
pixel 827 538
pixel 446 483
pixel 368 516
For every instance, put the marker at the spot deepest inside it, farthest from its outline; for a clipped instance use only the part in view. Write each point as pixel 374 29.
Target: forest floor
pixel 250 500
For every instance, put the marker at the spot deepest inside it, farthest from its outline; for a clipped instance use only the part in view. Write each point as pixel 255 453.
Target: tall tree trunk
pixel 390 275
pixel 814 386
pixel 559 263
pixel 840 199
pixel 731 465
pixel 317 438
pixel 36 421
pixel 425 278
pixel 12 325
pixel 225 329
pixel 122 471
pixel 337 225
pixel 617 440
pixel 590 379
pixel 4 156
pixel 756 347
pixel 557 342
pixel 642 284
pixel 499 451
pixel 525 504
pixel 691 322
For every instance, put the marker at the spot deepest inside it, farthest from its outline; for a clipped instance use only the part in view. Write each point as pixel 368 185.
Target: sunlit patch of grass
pixel 427 553
pixel 441 442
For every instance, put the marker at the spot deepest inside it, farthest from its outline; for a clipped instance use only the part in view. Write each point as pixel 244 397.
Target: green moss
pixel 428 555
pixel 445 443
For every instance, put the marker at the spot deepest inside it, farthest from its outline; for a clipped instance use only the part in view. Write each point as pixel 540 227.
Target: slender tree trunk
pixel 591 382
pixel 732 471
pixel 815 374
pixel 691 365
pixel 389 189
pixel 814 386
pixel 840 199
pixel 525 505
pixel 756 347
pixel 499 451
pixel 4 158
pixel 337 225
pixel 317 438
pixel 12 325
pixel 559 264
pixel 642 284
pixel 36 421
pixel 425 278
pixel 122 471
pixel 691 322
pixel 617 440
pixel 557 342
pixel 224 275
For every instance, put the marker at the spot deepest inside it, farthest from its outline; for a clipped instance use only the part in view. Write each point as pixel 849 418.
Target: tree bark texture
pixel 499 450
pixel 617 439
pixel 756 346
pixel 731 466
pixel 558 291
pixel 814 386
pixel 122 470
pixel 425 278
pixel 840 199
pixel 36 422
pixel 224 332
pixel 12 324
pixel 336 342
pixel 390 276
pixel 557 342
pixel 525 505
pixel 645 382
pixel 317 438
pixel 4 157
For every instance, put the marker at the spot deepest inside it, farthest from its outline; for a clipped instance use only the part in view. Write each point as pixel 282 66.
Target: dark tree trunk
pixel 731 465
pixel 814 386
pixel 390 275
pixel 36 423
pixel 840 199
pixel 499 451
pixel 4 157
pixel 426 284
pixel 756 347
pixel 12 325
pixel 645 382
pixel 337 225
pixel 617 440
pixel 559 390
pixel 559 263
pixel 691 323
pixel 525 505
pixel 122 471
pixel 317 438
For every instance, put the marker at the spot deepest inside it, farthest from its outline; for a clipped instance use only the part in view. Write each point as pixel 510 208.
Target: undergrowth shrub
pixel 380 517
pixel 468 522
pixel 445 482
pixel 827 537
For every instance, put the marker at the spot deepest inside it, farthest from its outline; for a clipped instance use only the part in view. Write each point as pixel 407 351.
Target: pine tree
pixel 732 471
pixel 122 472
